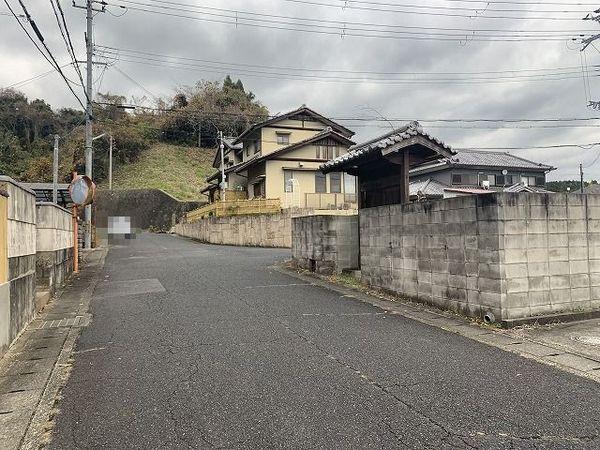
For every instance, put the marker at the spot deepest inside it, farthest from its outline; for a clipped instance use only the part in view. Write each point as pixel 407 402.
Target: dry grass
pixel 180 171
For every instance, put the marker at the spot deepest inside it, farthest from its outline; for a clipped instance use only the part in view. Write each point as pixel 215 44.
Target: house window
pixel 283 138
pixel 256 147
pixel 320 182
pixel 540 181
pixel 528 181
pixel 335 182
pixel 327 151
pixel 247 150
pixel 491 179
pixel 288 183
pixel 349 184
pixel 456 178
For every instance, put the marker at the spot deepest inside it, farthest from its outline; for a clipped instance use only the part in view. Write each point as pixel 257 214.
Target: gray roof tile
pixel 406 132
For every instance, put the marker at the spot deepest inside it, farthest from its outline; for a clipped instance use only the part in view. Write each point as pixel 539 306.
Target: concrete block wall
pixel 17 306
pixel 54 261
pixel 516 255
pixel 444 253
pixel 551 246
pixel 264 230
pixel 325 243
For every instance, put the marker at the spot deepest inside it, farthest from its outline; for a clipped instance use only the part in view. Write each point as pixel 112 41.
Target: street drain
pixel 589 340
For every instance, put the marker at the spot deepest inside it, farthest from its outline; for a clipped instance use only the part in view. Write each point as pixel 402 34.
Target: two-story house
pixel 280 158
pixel 472 171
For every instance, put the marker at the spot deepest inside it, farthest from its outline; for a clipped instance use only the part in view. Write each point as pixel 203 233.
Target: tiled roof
pixel 408 131
pixel 327 132
pixel 428 188
pixel 482 158
pixel 302 110
pixel 520 187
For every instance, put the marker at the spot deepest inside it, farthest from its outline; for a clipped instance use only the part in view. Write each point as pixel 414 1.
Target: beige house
pixel 279 158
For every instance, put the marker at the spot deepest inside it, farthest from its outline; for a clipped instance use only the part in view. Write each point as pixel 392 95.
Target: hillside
pixel 180 171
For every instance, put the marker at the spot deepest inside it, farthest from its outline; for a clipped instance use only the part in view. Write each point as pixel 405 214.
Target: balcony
pixel 331 201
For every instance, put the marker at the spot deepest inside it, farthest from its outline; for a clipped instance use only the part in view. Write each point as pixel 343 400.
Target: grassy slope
pixel 180 171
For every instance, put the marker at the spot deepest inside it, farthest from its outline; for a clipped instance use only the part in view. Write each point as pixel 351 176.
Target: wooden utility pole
pixel 581 177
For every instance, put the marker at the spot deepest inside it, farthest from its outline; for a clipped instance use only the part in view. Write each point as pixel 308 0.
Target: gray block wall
pixel 518 256
pixel 325 243
pixel 54 256
pixel 17 302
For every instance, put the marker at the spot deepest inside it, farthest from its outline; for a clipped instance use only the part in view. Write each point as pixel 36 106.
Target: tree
pixel 213 106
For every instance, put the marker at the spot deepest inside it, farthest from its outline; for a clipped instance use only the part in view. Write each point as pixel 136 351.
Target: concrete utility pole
pixel 223 184
pixel 89 152
pixel 55 170
pixel 110 150
pixel 581 177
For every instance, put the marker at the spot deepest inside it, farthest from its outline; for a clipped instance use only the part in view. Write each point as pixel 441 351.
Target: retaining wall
pixel 17 296
pixel 518 256
pixel 147 208
pixel 324 243
pixel 264 230
pixel 54 246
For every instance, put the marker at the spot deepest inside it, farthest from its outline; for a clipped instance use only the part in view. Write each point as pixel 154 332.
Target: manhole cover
pixel 589 340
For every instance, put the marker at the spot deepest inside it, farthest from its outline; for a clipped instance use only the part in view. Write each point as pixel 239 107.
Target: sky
pixel 389 60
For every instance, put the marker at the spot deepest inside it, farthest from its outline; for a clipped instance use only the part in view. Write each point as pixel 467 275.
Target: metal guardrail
pixel 235 208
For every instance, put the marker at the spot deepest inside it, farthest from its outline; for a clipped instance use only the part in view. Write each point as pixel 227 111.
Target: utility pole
pixel 223 184
pixel 89 152
pixel 581 177
pixel 55 170
pixel 110 151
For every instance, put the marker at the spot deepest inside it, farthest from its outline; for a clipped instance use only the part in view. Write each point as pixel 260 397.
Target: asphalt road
pixel 214 349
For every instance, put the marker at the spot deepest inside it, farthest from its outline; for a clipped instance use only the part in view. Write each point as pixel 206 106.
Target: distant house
pixel 280 158
pixel 476 171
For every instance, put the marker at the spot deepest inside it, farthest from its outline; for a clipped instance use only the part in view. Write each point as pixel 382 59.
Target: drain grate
pixel 78 321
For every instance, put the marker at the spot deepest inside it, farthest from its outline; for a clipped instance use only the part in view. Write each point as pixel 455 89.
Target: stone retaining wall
pixel 324 243
pixel 264 230
pixel 517 256
pixel 54 246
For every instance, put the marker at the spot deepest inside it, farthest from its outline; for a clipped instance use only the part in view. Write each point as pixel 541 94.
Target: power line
pixel 148 58
pixel 118 51
pixel 318 20
pixel 342 30
pixel 34 78
pixel 491 2
pixel 160 63
pixel 343 118
pixel 64 21
pixel 479 13
pixel 52 61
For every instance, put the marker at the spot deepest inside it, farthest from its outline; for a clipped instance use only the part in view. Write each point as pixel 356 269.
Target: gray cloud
pixel 219 42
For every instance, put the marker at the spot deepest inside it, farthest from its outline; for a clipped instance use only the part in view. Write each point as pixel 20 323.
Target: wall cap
pixel 38 204
pixel 15 183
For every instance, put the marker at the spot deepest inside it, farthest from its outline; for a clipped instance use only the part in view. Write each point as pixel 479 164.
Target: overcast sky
pixel 318 53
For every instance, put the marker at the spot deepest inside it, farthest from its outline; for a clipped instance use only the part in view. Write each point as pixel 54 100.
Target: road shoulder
pixel 520 340
pixel 38 364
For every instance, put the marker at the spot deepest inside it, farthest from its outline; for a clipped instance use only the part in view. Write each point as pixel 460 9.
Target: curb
pixel 555 356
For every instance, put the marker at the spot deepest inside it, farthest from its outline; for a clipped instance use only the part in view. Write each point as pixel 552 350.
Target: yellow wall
pixel 3 239
pixel 269 133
